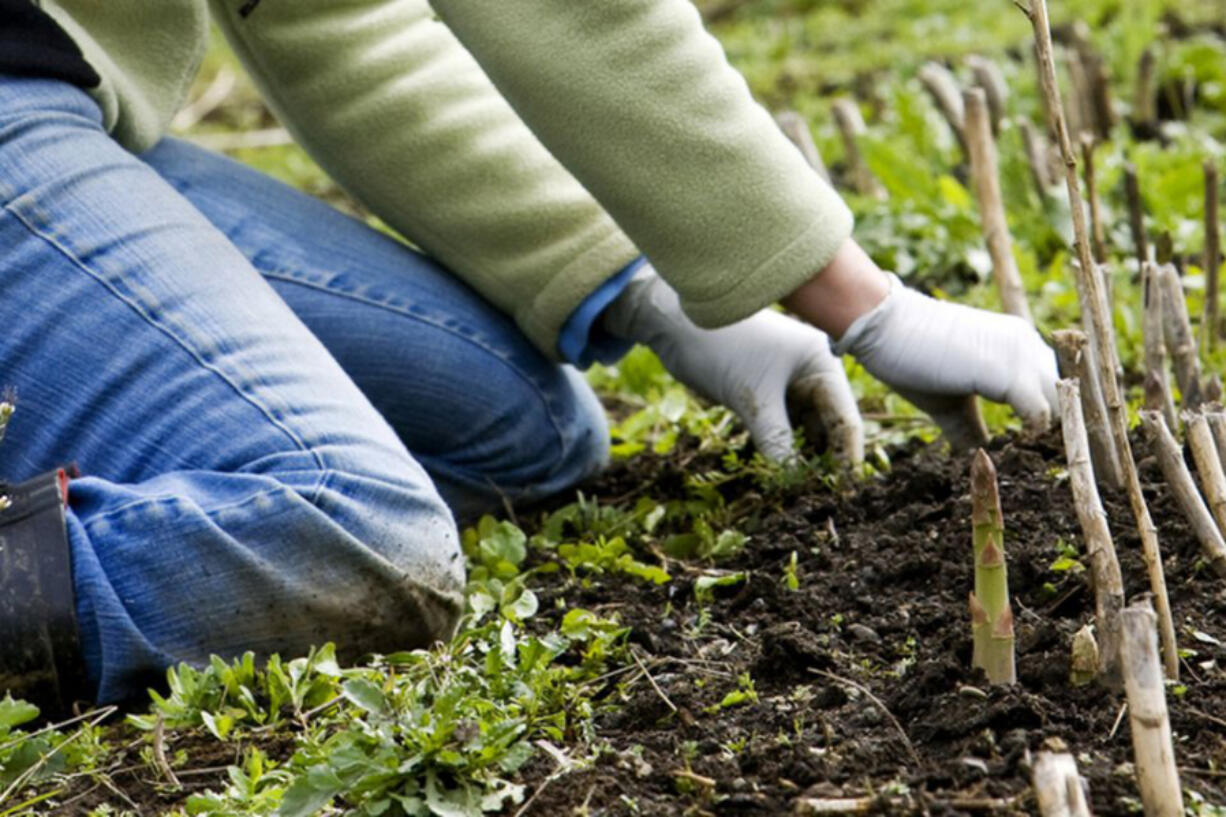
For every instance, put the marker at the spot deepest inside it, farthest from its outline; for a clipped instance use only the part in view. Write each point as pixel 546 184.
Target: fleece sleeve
pixel 639 102
pixel 390 104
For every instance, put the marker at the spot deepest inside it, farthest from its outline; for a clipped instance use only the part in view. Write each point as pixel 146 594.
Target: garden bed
pixel 862 673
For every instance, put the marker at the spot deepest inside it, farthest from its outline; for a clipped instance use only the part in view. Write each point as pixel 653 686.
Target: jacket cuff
pixel 582 340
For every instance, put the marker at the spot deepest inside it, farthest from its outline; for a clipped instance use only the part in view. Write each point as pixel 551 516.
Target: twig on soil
pixel 1211 718
pixel 1153 753
pixel 868 693
pixel 93 714
pixel 1115 727
pixel 1096 317
pixel 651 680
pixel 901 805
pixel 1175 469
pixel 701 780
pixel 37 766
pixel 564 766
pixel 981 148
pixel 159 752
pixel 1104 563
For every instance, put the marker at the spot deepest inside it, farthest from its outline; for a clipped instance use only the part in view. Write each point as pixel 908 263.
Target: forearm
pixel 846 288
pixel 639 102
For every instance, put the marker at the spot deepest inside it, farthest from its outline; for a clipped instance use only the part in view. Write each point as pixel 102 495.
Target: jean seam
pixel 167 498
pixel 365 299
pixel 140 310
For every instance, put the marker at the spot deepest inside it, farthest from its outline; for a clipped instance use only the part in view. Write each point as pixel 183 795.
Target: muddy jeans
pixel 240 372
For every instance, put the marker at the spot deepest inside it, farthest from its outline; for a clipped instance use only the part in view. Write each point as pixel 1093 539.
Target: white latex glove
pixel 753 367
pixel 936 354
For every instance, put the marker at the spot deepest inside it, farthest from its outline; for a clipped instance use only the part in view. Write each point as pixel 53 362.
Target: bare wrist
pixel 846 288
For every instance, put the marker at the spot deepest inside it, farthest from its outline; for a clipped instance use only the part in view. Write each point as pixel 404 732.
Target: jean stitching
pixel 140 310
pixel 174 498
pixel 475 341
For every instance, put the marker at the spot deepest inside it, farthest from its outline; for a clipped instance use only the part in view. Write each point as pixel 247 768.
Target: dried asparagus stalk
pixel 1208 464
pixel 1096 316
pixel 940 83
pixel 1153 754
pixel 1100 93
pixel 1075 354
pixel 982 150
pixel 1058 786
pixel 1136 212
pixel 1104 563
pixel 1213 257
pixel 988 77
pixel 1157 388
pixel 1085 659
pixel 1144 112
pixel 1180 342
pixel 991 614
pixel 1217 424
pixel 796 129
pixel 1036 158
pixel 851 126
pixel 1170 459
pixel 1096 219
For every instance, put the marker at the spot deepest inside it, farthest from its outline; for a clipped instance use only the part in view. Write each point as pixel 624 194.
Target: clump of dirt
pixel 862 675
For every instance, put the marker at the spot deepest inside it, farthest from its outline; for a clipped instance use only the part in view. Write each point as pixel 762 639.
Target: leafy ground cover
pixel 698 631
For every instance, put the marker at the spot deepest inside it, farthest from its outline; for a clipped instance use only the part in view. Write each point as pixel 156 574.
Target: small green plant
pixel 791 573
pixel 611 556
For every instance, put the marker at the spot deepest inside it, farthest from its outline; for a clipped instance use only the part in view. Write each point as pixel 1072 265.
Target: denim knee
pixel 398 543
pixel 534 440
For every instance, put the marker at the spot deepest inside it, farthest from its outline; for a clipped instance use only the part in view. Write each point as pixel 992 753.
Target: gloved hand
pixel 936 354
pixel 752 367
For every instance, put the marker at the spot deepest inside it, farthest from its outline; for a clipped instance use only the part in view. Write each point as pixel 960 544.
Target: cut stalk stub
pixel 1104 562
pixel 991 613
pixel 1153 753
pixel 1170 458
pixel 1058 786
pixel 1098 325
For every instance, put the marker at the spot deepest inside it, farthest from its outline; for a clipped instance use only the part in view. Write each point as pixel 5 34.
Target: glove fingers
pixel 1033 397
pixel 826 401
pixel 769 428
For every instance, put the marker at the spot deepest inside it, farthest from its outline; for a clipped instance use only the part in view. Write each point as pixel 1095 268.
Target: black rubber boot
pixel 40 651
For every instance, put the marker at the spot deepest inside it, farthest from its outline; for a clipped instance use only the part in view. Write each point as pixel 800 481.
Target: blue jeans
pixel 241 373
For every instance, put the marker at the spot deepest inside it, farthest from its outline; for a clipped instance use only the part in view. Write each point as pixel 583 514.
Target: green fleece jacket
pixel 533 146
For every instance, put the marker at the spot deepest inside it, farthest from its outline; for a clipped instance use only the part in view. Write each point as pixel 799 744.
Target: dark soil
pixel 884 569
